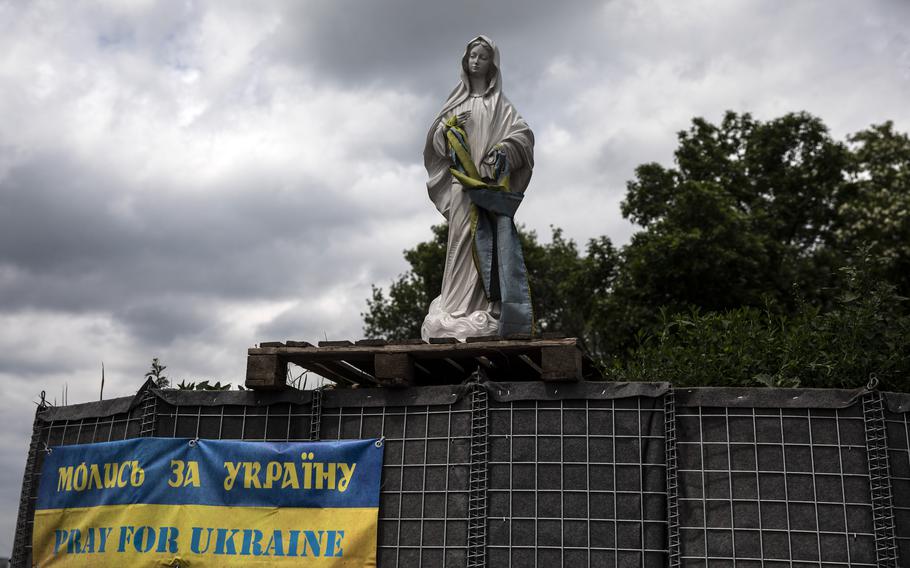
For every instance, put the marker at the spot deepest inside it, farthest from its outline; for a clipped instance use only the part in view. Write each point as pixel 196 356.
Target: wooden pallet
pixel 415 362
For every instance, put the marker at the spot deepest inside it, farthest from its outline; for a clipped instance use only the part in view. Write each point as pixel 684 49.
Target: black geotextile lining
pixel 94 410
pixel 744 397
pixel 363 397
pixel 898 425
pixel 577 483
pixel 447 394
pixel 423 512
pixel 116 419
pixel 772 484
pixel 898 402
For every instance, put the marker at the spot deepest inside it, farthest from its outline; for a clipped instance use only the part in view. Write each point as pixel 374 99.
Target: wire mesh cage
pixel 898 431
pixel 564 475
pixel 577 483
pixel 774 487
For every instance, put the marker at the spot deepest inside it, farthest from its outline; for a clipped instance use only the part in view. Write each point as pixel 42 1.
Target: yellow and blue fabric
pixel 178 502
pixel 496 248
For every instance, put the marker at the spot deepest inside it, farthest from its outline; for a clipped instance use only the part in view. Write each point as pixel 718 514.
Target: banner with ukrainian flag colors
pixel 178 502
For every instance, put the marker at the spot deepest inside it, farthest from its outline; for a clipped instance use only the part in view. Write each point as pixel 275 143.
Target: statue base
pixel 438 323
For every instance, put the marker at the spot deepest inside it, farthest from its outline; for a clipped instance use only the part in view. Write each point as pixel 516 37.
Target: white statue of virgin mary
pixel 479 155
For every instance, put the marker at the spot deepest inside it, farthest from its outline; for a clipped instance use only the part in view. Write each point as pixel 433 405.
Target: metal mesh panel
pixel 774 487
pixel 478 479
pixel 671 458
pixel 60 433
pixel 423 507
pixel 577 483
pixel 899 453
pixel 279 422
pixel 424 498
pixel 24 520
pixel 879 479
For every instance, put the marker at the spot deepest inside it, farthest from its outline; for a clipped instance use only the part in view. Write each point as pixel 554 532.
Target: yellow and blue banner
pixel 178 502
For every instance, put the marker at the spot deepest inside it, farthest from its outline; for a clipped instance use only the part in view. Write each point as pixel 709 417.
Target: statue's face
pixel 478 61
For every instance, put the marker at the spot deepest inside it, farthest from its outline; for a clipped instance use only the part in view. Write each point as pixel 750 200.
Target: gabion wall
pixel 586 474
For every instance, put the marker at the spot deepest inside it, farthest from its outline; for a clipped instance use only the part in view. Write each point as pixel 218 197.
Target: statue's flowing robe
pixel 485 289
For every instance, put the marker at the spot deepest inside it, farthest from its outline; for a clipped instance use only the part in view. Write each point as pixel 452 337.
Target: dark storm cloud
pixel 61 226
pixel 126 233
pixel 159 321
pixel 417 43
pixel 24 366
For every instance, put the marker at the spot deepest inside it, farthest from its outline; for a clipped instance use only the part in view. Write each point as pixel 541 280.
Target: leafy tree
pixel 874 207
pixel 565 286
pixel 561 285
pixel 570 290
pixel 744 215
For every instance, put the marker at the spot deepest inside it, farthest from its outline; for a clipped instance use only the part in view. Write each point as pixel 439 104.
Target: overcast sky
pixel 186 179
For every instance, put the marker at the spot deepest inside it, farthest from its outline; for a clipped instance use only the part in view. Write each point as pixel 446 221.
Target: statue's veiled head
pixel 480 59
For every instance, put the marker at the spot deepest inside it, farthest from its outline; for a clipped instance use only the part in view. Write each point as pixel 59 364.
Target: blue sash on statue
pixel 496 247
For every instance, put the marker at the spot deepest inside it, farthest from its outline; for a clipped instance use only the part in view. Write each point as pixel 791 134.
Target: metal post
pixel 149 421
pixel 477 498
pixel 315 414
pixel 673 547
pixel 879 476
pixel 22 543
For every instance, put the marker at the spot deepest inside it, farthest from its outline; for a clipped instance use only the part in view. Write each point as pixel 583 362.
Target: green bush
pixel 865 333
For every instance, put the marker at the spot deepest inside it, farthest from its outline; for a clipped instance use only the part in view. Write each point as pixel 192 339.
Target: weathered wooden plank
pixel 329 371
pixel 519 336
pixel 266 372
pixel 483 338
pixel 324 354
pixel 358 375
pixel 407 342
pixel 552 335
pixel 455 365
pixel 342 343
pixel 394 369
pixel 444 362
pixel 560 363
pixel 290 343
pixel 421 349
pixel 443 341
pixel 371 342
pixel 530 363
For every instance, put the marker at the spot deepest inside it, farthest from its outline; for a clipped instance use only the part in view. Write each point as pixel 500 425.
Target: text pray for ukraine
pixel 222 541
pixel 252 475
